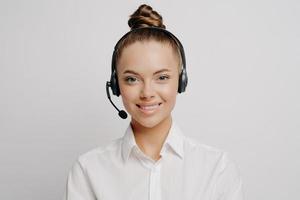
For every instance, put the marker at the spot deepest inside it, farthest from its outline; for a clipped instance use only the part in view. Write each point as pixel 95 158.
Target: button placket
pixel 154 188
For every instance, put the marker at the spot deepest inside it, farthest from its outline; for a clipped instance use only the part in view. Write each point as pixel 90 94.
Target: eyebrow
pixel 157 72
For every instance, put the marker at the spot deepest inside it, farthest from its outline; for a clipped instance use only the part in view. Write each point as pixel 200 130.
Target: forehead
pixel 148 56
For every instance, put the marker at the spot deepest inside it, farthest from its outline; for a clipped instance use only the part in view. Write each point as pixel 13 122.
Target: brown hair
pixel 145 16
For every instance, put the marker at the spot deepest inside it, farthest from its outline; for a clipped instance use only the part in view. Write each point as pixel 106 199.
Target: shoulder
pixel 206 153
pixel 194 145
pixel 101 153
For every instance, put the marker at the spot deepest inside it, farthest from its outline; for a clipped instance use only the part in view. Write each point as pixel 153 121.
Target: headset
pixel 113 83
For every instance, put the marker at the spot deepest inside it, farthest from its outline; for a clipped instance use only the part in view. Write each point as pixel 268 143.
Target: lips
pixel 148 107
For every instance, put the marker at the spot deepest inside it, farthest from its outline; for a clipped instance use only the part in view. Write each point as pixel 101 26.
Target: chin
pixel 148 122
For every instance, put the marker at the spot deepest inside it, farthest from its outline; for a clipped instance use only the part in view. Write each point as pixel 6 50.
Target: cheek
pixel 171 97
pixel 129 95
pixel 169 93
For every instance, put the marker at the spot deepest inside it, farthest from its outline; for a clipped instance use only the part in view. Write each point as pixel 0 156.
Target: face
pixel 148 76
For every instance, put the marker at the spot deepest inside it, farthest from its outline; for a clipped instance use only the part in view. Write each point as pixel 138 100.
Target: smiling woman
pixel 154 159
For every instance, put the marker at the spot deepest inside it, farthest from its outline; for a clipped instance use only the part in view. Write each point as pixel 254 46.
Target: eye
pixel 130 80
pixel 163 77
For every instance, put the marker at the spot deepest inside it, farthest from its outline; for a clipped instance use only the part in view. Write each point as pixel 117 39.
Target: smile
pixel 149 109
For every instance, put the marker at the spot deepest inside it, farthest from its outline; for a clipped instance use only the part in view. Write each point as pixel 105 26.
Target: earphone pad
pixel 182 81
pixel 114 84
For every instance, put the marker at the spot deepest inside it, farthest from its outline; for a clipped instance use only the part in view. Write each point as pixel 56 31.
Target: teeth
pixel 149 107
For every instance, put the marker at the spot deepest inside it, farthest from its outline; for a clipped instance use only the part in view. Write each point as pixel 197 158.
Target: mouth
pixel 149 109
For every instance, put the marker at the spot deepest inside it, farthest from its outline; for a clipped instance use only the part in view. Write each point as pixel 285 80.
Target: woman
pixel 154 159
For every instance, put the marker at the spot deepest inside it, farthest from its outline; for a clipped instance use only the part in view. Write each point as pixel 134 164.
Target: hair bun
pixel 145 16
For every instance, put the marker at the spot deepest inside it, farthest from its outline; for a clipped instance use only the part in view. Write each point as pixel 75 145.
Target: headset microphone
pixel 122 113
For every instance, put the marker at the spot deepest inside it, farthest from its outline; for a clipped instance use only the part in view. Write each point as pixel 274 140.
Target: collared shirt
pixel 186 170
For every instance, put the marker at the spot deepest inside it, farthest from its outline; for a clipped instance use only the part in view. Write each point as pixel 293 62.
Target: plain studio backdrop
pixel 243 60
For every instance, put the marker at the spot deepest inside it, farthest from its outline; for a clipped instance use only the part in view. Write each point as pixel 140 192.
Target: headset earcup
pixel 182 81
pixel 114 84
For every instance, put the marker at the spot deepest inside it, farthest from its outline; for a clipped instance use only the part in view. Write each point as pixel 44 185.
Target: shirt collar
pixel 128 142
pixel 174 140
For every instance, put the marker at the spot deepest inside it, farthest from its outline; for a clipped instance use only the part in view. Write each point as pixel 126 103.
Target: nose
pixel 147 90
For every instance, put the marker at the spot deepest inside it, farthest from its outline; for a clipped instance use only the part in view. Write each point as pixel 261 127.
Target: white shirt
pixel 187 170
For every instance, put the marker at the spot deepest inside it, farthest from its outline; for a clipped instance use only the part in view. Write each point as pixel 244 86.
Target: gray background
pixel 243 96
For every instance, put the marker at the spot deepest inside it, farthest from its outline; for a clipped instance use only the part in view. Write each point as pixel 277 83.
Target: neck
pixel 151 140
